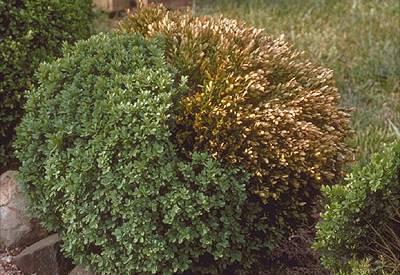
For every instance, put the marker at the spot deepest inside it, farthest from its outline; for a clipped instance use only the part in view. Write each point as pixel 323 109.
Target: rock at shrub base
pixel 16 227
pixel 79 270
pixel 43 258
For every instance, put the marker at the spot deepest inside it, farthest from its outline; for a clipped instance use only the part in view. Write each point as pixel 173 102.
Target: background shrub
pixel 256 102
pixel 361 217
pixel 31 31
pixel 99 166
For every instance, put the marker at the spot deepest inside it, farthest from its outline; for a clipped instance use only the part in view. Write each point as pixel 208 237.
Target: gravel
pixel 6 262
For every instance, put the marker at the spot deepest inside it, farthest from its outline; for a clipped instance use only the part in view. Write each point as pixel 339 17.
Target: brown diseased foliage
pixel 254 101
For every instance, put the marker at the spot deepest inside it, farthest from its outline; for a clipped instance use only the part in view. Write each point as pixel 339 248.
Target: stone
pixel 44 258
pixel 79 270
pixel 112 5
pixel 119 5
pixel 17 228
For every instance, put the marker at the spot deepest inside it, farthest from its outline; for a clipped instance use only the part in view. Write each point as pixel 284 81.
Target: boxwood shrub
pixel 32 31
pixel 254 101
pixel 196 147
pixel 99 166
pixel 360 211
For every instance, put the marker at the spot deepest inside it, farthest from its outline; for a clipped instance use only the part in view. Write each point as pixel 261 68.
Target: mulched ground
pixel 6 265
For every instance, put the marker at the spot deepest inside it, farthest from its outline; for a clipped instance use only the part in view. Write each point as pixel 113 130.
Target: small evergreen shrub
pixel 99 166
pixel 31 31
pixel 198 146
pixel 254 101
pixel 360 211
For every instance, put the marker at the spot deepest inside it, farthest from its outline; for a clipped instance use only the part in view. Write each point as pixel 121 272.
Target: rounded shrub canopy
pixel 32 31
pixel 256 102
pixel 179 144
pixel 100 168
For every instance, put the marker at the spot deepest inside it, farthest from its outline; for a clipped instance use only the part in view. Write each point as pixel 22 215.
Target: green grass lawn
pixel 358 39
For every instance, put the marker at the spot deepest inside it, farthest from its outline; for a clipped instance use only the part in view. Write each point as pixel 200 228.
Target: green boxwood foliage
pixel 99 166
pixel 32 31
pixel 359 210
